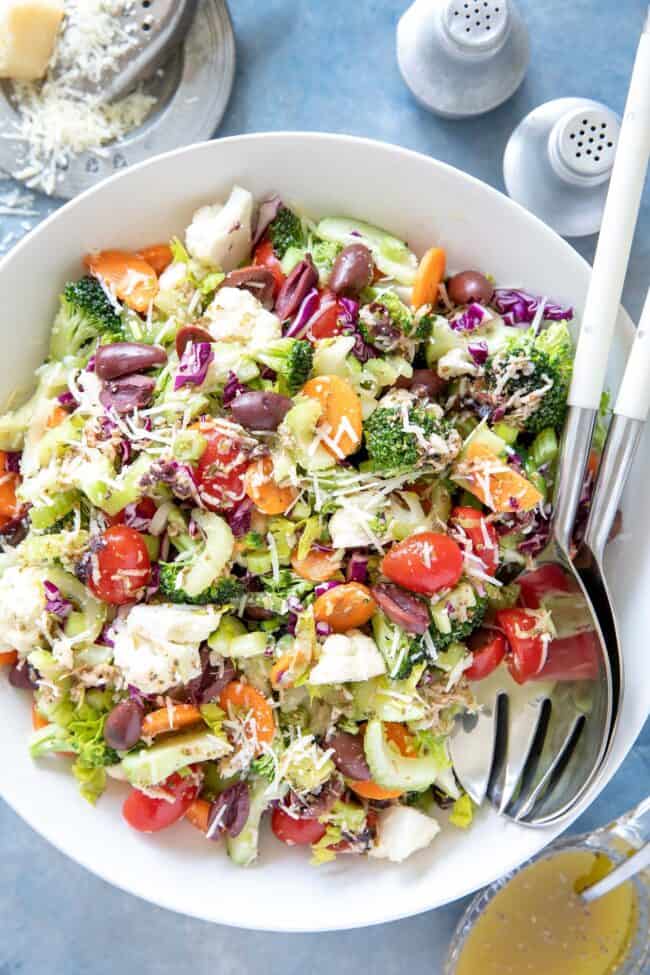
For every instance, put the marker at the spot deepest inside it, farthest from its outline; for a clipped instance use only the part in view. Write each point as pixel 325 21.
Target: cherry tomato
pixel 221 470
pixel 264 256
pixel 149 815
pixel 424 563
pixel 528 652
pixel 575 657
pixel 488 648
pixel 327 320
pixel 145 509
pixel 535 585
pixel 482 534
pixel 122 567
pixel 296 832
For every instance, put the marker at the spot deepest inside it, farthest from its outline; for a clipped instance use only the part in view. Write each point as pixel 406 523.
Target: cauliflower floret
pixel 350 657
pixel 456 362
pixel 22 608
pixel 158 646
pixel 220 235
pixel 401 830
pixel 236 315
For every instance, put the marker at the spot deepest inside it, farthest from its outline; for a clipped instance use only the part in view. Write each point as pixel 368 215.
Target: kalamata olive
pixel 127 393
pixel 469 286
pixel 427 382
pixel 349 756
pixel 123 726
pixel 402 607
pixel 295 289
pixel 352 271
pixel 258 613
pixel 258 280
pixel 14 531
pixel 259 410
pixel 229 811
pixel 191 333
pixel 312 806
pixel 125 358
pixel 22 676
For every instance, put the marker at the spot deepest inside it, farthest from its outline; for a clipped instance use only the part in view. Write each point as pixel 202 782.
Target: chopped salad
pixel 262 522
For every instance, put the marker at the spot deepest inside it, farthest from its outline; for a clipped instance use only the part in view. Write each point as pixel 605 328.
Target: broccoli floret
pixel 394 445
pixel 85 313
pixel 400 650
pixel 400 315
pixel 323 254
pixel 223 592
pixel 528 381
pixel 456 616
pixel 285 232
pixel 292 360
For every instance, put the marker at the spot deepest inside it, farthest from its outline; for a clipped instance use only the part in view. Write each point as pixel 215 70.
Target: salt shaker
pixel 461 58
pixel 558 161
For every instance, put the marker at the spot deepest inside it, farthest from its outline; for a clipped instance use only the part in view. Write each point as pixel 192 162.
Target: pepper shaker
pixel 461 58
pixel 558 161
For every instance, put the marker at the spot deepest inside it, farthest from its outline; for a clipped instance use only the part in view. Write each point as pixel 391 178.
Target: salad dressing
pixel 538 925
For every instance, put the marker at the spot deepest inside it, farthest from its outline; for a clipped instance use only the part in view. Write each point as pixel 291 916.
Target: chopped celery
pixel 44 517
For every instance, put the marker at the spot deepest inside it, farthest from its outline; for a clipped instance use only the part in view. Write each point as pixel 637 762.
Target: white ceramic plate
pixel 425 202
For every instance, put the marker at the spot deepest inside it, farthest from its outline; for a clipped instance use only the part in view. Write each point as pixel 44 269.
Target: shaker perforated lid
pixel 462 57
pixel 558 162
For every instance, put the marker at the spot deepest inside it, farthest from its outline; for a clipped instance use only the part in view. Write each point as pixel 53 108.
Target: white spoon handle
pixel 633 398
pixel 615 240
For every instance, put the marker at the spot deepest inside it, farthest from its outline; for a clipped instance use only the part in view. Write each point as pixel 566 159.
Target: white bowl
pixel 425 202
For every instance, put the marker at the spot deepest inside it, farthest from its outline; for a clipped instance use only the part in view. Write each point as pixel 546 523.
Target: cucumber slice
pixel 392 256
pixel 149 766
pixel 243 848
pixel 210 563
pixel 390 769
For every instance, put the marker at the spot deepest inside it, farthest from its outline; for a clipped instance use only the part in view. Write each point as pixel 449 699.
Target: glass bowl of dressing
pixel 534 922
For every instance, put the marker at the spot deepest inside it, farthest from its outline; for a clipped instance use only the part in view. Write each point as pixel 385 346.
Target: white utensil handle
pixel 633 398
pixel 615 240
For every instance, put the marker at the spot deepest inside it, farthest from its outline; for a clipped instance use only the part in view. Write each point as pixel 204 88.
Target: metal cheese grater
pixel 462 57
pixel 558 162
pixel 155 28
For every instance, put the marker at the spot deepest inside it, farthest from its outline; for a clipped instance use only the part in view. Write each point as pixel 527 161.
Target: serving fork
pixel 534 750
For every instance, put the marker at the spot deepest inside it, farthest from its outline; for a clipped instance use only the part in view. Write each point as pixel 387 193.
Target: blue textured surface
pixel 326 65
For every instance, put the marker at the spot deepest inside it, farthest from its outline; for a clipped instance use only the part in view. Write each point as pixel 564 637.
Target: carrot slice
pixel 133 280
pixel 159 256
pixel 38 721
pixel 9 658
pixel 341 421
pixel 429 277
pixel 399 736
pixel 9 506
pixel 170 719
pixel 198 814
pixel 490 479
pixel 318 566
pixel 264 491
pixel 345 607
pixel 57 417
pixel 253 707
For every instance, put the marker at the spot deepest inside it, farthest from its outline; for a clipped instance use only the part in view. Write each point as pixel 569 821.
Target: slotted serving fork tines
pixel 533 751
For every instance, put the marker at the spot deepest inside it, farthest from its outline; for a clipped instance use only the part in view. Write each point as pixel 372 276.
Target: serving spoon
pixel 534 750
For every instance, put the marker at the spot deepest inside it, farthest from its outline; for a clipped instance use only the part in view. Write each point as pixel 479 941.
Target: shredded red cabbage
pixel 154 582
pixel 193 367
pixel 232 389
pixel 55 603
pixel 325 587
pixel 266 214
pixel 349 321
pixel 470 319
pixel 478 351
pixel 357 570
pixel 518 307
pixel 133 519
pixel 12 462
pixel 239 517
pixel 67 399
pixel 323 628
pixel 305 313
pixel 105 638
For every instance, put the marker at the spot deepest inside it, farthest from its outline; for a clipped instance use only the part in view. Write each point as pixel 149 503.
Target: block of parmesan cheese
pixel 28 30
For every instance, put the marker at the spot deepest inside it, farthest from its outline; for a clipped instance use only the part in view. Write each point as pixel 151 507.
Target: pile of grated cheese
pixel 58 117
